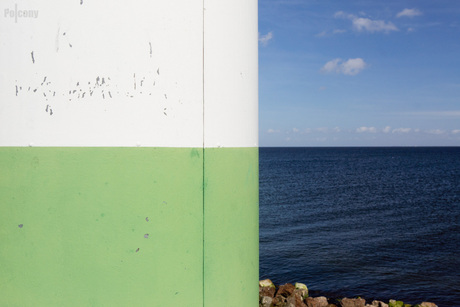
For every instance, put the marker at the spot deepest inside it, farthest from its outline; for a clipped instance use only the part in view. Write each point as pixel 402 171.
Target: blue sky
pixel 359 73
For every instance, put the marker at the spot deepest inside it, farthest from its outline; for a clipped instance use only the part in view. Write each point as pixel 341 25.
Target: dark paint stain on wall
pixel 102 87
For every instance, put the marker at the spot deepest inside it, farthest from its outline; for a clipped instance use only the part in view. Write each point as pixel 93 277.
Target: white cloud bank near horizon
pixel 363 129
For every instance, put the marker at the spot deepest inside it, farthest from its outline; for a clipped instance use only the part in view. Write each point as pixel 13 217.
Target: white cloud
pixel 353 66
pixel 342 14
pixel 331 66
pixel 409 13
pixel 387 129
pixel 350 67
pixel 295 130
pixel 339 31
pixel 436 131
pixel 453 113
pixel 366 129
pixel 402 130
pixel 322 34
pixel 322 130
pixel 456 131
pixel 366 24
pixel 264 39
pixel 272 131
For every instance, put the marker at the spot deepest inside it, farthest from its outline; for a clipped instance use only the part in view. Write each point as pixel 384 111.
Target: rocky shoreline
pixel 289 295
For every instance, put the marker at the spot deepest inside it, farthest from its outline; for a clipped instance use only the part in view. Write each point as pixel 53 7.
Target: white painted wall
pixel 124 73
pixel 231 73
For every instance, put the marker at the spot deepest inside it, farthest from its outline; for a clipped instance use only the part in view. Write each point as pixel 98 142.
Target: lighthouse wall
pixel 128 153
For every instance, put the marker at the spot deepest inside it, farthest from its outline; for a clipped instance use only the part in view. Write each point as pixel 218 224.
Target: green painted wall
pixel 124 226
pixel 231 227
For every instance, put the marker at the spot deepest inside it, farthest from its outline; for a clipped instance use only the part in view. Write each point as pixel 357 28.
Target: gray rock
pixel 428 304
pixel 266 283
pixel 320 301
pixel 394 303
pixel 296 300
pixel 301 288
pixel 285 290
pixel 377 304
pixel 352 302
pixel 266 301
pixel 266 291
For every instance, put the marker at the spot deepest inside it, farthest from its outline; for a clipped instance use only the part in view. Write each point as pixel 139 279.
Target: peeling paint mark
pixel 28 89
pixel 54 94
pixel 78 83
pixel 158 71
pixel 16 90
pixel 21 225
pixel 150 49
pixel 70 45
pixel 73 92
pixel 166 96
pixel 146 236
pixel 134 81
pixel 35 90
pixel 44 80
pixel 81 2
pixel 57 39
pixel 63 34
pixel 33 59
pixel 110 95
pixel 51 111
pixel 83 96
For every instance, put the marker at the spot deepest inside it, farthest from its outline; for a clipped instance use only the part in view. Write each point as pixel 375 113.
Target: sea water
pixel 379 223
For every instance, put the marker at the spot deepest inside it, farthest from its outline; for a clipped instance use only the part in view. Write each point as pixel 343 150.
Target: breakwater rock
pixel 289 295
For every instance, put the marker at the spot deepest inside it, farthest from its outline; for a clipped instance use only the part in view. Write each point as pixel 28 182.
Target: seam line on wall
pixel 203 151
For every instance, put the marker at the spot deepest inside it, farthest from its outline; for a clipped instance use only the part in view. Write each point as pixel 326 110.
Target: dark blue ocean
pixel 379 223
